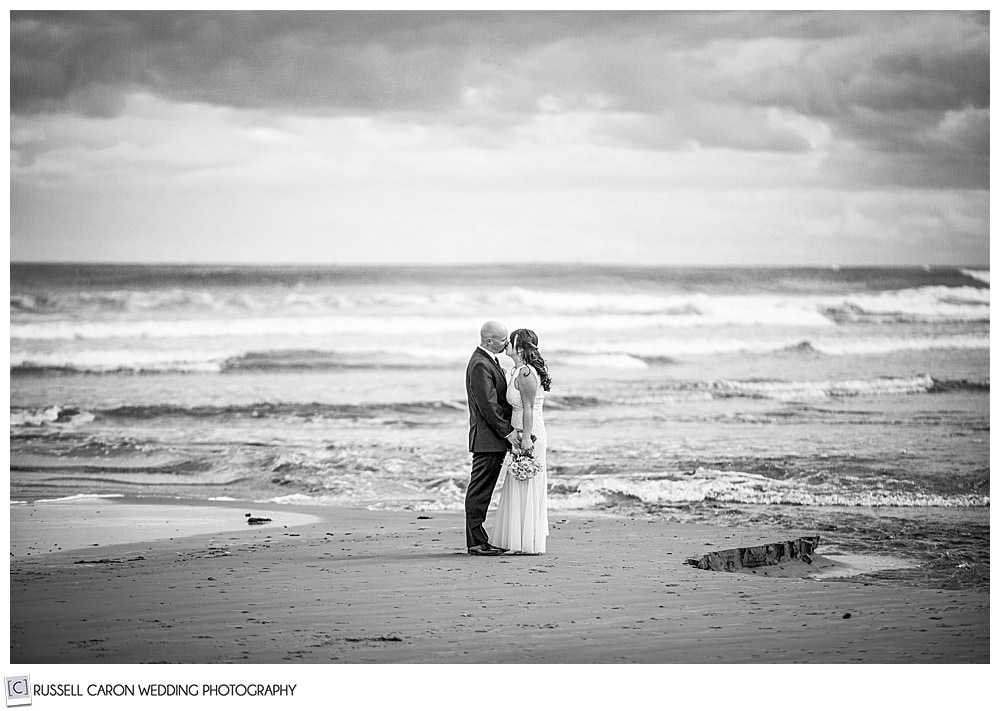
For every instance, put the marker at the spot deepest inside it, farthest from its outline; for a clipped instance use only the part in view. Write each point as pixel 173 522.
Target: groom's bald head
pixel 493 336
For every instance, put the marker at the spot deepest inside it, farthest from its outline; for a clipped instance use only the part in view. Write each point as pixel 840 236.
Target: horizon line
pixel 410 265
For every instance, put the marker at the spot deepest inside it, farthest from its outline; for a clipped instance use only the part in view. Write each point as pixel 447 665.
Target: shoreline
pixel 89 522
pixel 360 586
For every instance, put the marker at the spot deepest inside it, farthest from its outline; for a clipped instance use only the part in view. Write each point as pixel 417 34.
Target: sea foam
pixel 548 312
pixel 982 275
pixel 635 355
pixel 741 487
pixel 778 390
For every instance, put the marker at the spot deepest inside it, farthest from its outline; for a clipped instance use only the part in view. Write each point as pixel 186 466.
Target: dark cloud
pixel 333 61
pixel 389 60
pixel 882 79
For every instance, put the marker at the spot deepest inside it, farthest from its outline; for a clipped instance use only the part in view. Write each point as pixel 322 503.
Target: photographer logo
pixel 18 690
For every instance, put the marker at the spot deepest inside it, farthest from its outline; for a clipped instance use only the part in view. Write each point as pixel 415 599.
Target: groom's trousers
pixel 486 468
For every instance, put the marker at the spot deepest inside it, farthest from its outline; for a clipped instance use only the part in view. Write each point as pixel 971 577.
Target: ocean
pixel 849 401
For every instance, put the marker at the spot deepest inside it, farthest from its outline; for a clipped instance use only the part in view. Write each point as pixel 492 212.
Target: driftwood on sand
pixel 758 555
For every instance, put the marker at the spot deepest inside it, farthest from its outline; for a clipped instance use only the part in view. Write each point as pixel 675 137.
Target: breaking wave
pixel 705 485
pixel 982 275
pixel 351 484
pixel 199 315
pixel 414 412
pixel 927 304
pixel 780 390
pixel 54 415
pixel 633 355
pixel 64 415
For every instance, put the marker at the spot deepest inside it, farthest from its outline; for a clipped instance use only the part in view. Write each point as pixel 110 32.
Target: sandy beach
pixel 335 585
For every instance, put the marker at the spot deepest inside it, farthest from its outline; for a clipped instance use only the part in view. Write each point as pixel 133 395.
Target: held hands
pixel 518 444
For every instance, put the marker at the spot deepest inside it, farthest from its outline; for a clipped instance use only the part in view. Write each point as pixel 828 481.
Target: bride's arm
pixel 528 387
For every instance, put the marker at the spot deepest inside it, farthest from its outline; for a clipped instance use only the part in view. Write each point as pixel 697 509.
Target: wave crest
pixel 180 314
pixel 742 488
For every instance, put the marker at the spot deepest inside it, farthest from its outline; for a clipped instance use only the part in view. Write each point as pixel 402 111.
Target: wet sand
pixel 356 586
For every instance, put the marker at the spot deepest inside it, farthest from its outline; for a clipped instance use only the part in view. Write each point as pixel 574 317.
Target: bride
pixel 522 522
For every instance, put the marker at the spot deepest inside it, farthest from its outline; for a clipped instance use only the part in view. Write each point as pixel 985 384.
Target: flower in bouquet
pixel 523 466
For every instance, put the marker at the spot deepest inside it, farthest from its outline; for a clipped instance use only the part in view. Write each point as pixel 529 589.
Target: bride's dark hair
pixel 527 342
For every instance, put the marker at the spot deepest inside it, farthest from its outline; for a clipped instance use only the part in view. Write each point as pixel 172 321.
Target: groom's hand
pixel 514 438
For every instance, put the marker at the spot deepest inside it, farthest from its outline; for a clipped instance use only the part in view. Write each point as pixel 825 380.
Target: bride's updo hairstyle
pixel 527 342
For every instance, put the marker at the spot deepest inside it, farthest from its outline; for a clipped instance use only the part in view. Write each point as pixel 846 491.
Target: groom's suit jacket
pixel 489 411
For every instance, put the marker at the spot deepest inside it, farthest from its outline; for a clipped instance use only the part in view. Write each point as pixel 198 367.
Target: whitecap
pixel 747 488
pixel 982 275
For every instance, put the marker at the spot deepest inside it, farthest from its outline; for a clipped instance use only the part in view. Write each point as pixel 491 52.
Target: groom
pixel 490 432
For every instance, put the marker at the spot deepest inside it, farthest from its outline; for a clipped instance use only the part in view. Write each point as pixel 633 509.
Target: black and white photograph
pixel 496 337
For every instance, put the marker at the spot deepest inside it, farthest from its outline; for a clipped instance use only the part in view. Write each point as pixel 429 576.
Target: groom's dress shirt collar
pixel 493 356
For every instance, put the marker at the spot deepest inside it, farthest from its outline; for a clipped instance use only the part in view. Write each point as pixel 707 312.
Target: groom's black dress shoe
pixel 484 549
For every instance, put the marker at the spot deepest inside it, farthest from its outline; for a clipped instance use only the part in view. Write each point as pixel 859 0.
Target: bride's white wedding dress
pixel 521 522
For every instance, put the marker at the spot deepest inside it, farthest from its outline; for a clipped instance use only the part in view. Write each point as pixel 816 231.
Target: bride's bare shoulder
pixel 526 374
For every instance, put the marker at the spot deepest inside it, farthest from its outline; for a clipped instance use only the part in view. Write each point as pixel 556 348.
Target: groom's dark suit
pixel 489 425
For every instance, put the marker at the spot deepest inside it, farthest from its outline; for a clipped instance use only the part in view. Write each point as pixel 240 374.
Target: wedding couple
pixel 507 433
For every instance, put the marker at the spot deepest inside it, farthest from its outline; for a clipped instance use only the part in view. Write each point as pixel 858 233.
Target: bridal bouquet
pixel 523 466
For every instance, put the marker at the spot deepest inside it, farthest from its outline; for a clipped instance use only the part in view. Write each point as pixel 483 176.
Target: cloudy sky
pixel 649 137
